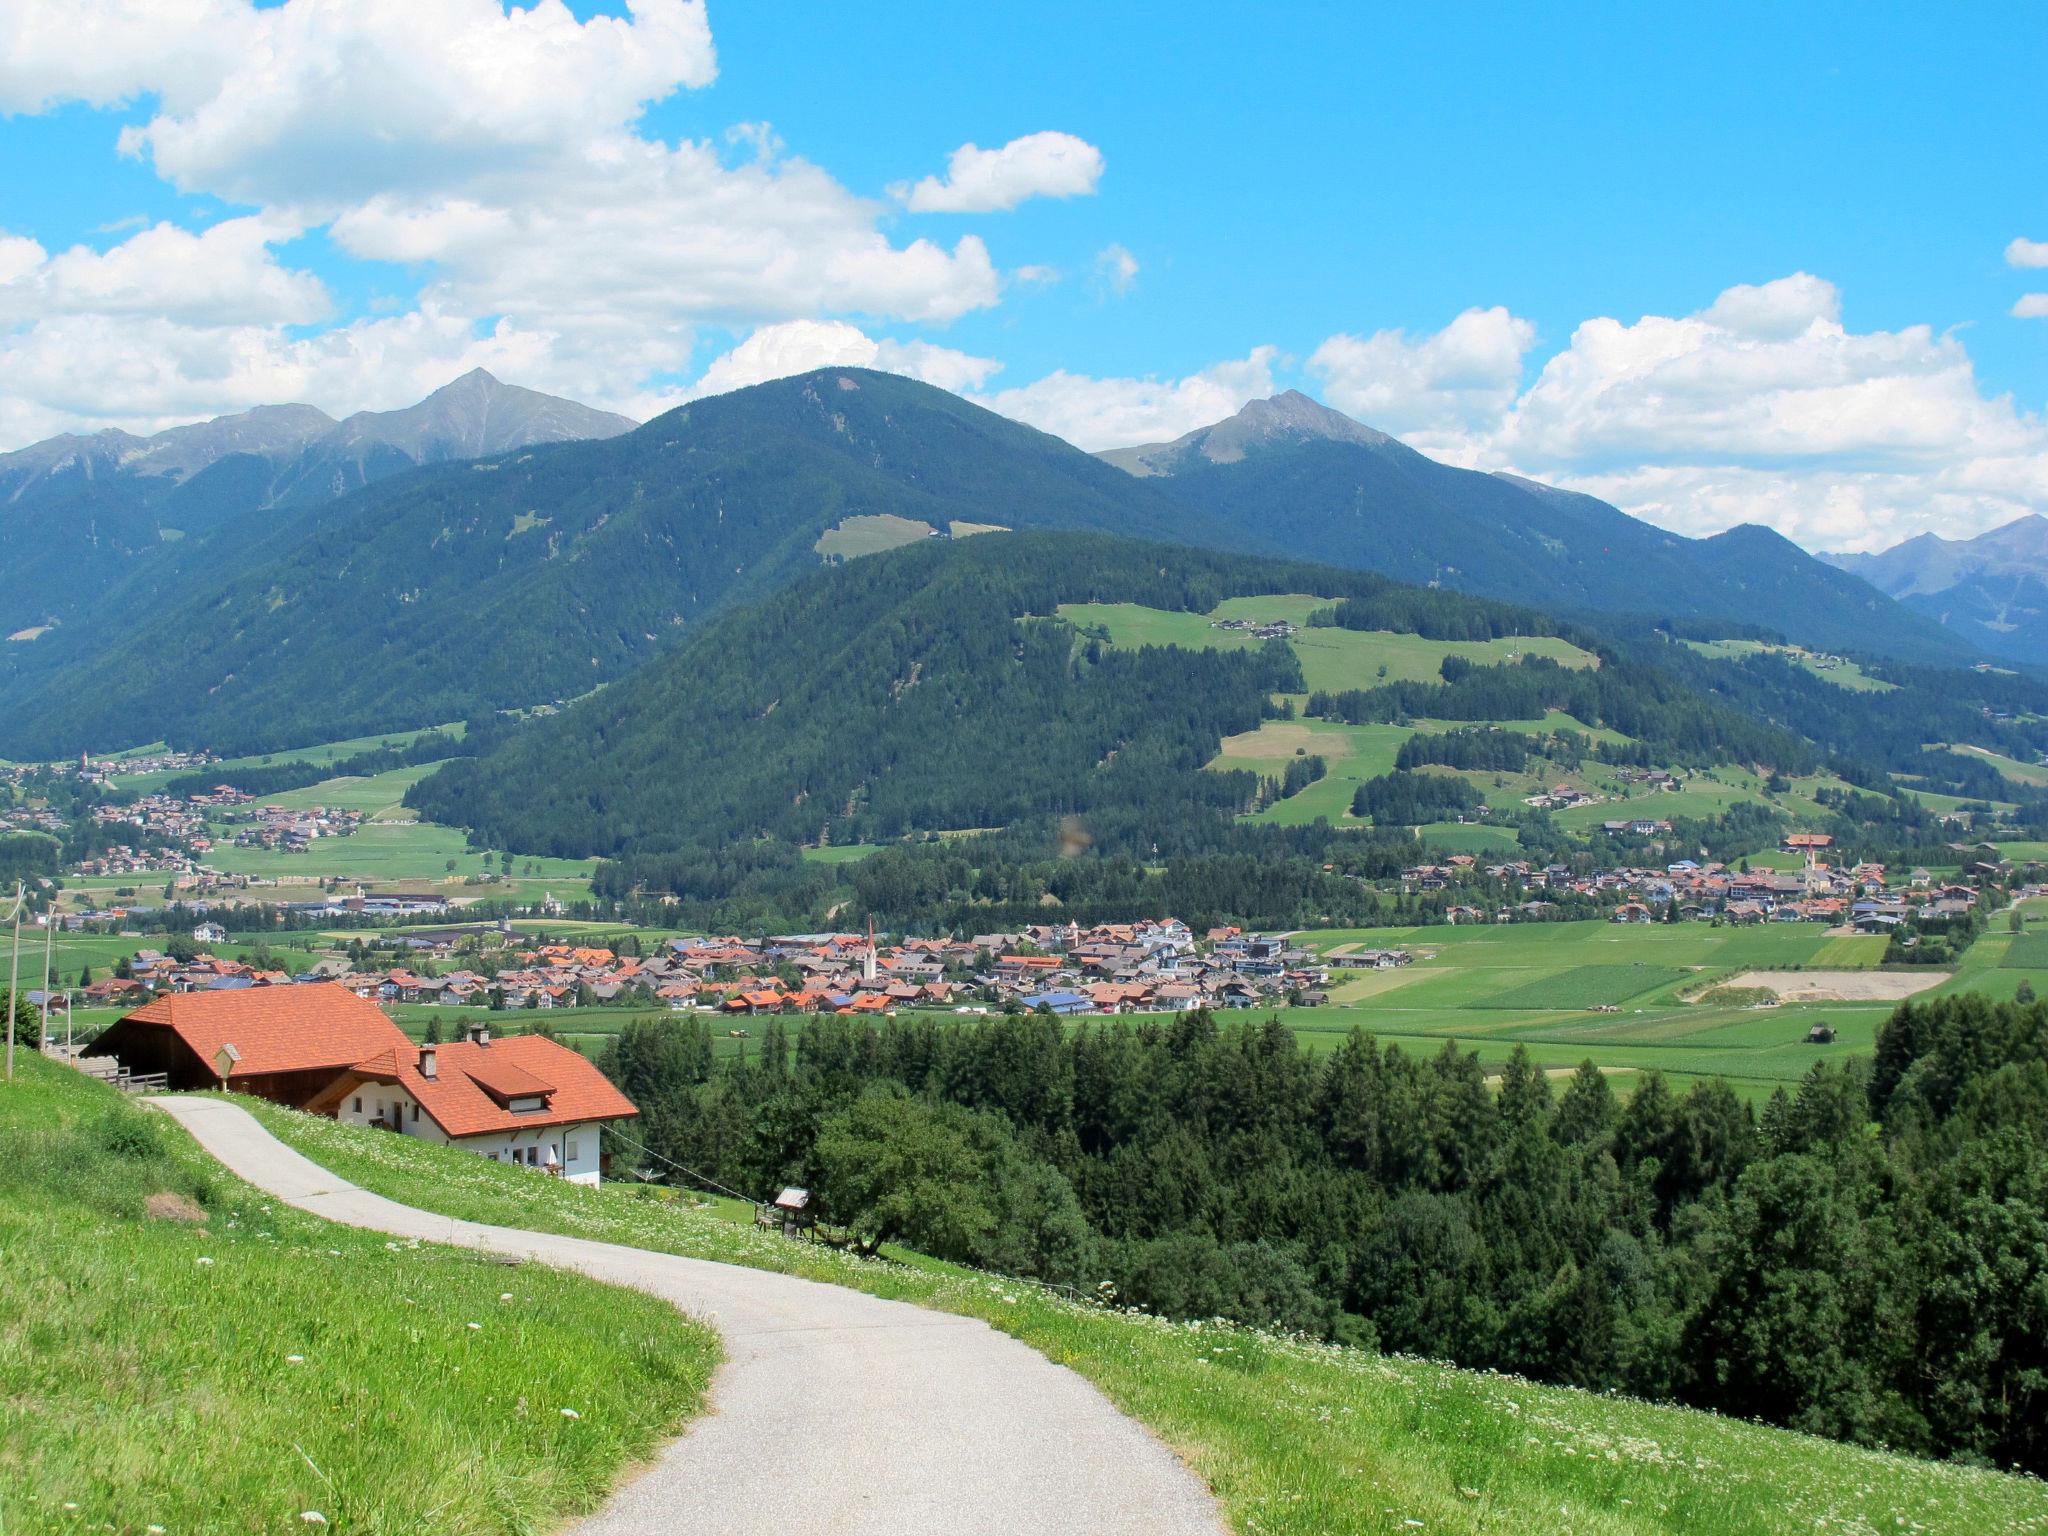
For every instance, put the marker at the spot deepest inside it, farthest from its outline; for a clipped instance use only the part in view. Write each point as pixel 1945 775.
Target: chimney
pixel 428 1067
pixel 480 1033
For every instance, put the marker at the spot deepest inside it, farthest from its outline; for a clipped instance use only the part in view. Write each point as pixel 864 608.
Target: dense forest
pixel 926 690
pixel 1865 1259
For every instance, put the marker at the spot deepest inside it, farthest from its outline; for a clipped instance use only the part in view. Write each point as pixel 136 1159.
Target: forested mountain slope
pixel 1290 475
pixel 80 514
pixel 930 690
pixel 540 574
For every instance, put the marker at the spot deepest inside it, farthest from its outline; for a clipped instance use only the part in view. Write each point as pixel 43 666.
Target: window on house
pixel 359 1106
pixel 568 1151
pixel 415 1114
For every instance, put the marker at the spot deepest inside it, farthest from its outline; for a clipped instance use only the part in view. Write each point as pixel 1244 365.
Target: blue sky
pixel 667 202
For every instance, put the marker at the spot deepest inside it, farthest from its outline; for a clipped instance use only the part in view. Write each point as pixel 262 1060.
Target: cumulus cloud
pixel 324 102
pixel 1761 407
pixel 1120 413
pixel 1116 269
pixel 994 180
pixel 223 275
pixel 2027 253
pixel 2031 306
pixel 496 153
pixel 798 346
pixel 1435 390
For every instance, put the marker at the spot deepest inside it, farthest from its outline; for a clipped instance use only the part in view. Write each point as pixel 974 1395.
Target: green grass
pixel 2032 774
pixel 1296 1439
pixel 870 534
pixel 1330 658
pixel 321 752
pixel 229 1373
pixel 1586 986
pixel 2027 952
pixel 841 853
pixel 1844 674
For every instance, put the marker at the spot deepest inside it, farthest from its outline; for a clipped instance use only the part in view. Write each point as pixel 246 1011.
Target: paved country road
pixel 835 1412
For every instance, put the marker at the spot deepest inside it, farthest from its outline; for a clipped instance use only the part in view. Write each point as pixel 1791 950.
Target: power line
pixel 707 1182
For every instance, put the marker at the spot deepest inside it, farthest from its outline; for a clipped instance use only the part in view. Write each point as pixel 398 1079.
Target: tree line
pixel 1866 1259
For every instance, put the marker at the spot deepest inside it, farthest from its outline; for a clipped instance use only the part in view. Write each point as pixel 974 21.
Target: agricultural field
pixel 1491 988
pixel 322 753
pixel 841 853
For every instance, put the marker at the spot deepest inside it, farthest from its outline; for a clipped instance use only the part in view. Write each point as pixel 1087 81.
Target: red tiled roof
pixel 275 1029
pixel 465 1096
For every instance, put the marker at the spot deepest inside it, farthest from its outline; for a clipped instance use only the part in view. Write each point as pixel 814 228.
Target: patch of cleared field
pixel 870 534
pixel 1585 986
pixel 1840 986
pixel 1354 754
pixel 1839 670
pixel 2020 773
pixel 32 632
pixel 2027 952
pixel 840 853
pixel 960 529
pixel 1851 952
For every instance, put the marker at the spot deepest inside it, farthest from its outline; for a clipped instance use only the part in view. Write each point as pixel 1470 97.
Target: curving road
pixel 834 1411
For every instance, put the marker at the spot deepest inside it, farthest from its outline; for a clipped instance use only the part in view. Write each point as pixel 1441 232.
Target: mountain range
pixel 1295 477
pixel 336 587
pixel 79 513
pixel 1991 590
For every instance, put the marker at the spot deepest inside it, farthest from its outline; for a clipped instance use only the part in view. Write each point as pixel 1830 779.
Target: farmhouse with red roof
pixel 319 1047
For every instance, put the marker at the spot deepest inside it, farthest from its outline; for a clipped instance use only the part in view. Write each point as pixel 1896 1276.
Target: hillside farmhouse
pixel 318 1047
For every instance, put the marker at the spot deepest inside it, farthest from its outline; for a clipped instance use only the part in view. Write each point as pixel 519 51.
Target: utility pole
pixel 49 939
pixel 13 980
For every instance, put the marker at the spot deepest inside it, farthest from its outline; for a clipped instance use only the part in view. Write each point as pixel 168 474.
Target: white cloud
pixel 2031 306
pixel 993 180
pixel 1116 269
pixel 496 152
pixel 324 102
pixel 105 52
pixel 1119 413
pixel 222 275
pixel 798 346
pixel 1436 389
pixel 1762 407
pixel 1036 275
pixel 2027 253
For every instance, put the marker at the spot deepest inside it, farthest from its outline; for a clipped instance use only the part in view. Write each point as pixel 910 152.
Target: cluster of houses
pixel 1866 896
pixel 282 829
pixel 1258 629
pixel 1113 968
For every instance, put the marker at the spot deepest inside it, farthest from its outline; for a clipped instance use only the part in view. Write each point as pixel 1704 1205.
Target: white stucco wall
pixel 577 1148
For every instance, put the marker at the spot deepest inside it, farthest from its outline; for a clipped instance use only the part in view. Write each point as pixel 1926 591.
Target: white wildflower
pixel 475 1326
pixel 294 1359
pixel 203 1262
pixel 311 1517
pixel 571 1413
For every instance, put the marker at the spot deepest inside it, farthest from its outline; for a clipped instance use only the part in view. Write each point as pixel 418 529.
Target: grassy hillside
pixel 1295 1438
pixel 181 1353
